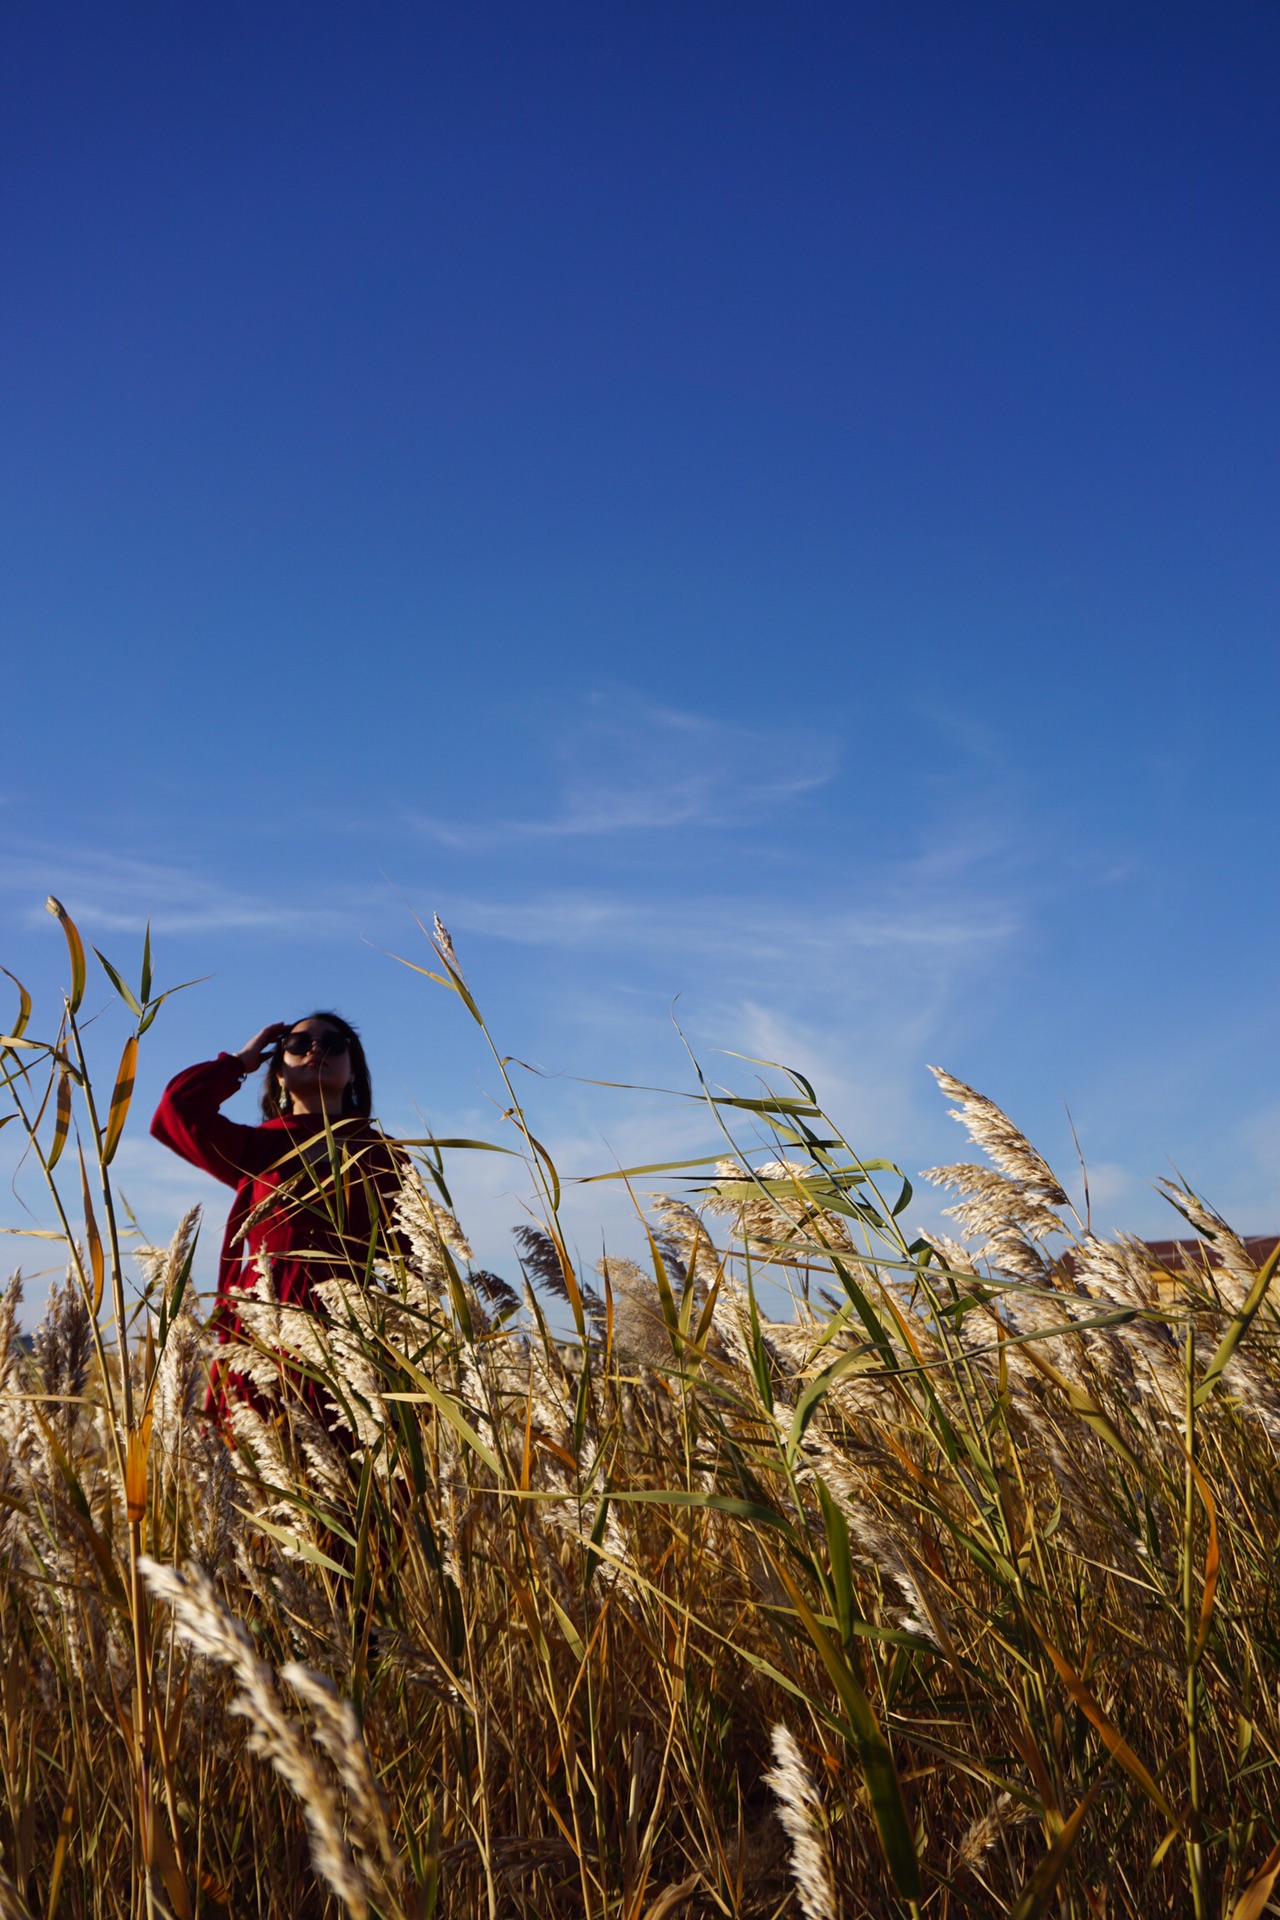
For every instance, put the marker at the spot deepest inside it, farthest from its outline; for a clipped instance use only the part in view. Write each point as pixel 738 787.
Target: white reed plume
pixel 731 1319
pixel 327 1464
pixel 259 1456
pixel 955 1258
pixel 338 1731
pixel 63 1342
pixel 336 1352
pixel 1123 1273
pixel 688 1230
pixel 201 1620
pixel 640 1332
pixel 444 942
pixel 256 1350
pixel 10 1301
pixel 992 1205
pixel 162 1266
pixel 13 1413
pixel 801 1812
pixel 871 1543
pixel 31 1543
pixel 1043 1312
pixel 182 1372
pixel 181 1379
pixel 1226 1252
pixel 777 1202
pixel 982 1833
pixel 999 1139
pixel 218 1491
pixel 428 1228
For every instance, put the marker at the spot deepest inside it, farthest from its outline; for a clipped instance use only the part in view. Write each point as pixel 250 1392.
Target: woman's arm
pixel 188 1121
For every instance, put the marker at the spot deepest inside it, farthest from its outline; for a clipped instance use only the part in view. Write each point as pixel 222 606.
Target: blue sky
pixel 770 505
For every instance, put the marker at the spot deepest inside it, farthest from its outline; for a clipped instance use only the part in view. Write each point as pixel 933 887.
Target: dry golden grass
pixel 952 1593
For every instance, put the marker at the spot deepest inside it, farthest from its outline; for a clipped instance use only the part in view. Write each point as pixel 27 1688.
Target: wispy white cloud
pixel 626 765
pixel 117 892
pixel 713 928
pixel 960 894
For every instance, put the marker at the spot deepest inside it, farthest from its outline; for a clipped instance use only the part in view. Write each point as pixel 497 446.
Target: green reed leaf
pixel 125 992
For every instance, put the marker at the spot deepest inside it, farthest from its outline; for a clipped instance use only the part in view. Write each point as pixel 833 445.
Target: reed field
pixel 949 1591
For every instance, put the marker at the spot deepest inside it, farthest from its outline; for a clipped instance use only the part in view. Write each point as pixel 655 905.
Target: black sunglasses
pixel 325 1044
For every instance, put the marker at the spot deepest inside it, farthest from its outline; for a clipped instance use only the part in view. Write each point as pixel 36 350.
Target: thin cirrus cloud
pixel 715 929
pixel 121 893
pixel 964 890
pixel 619 766
pixel 628 766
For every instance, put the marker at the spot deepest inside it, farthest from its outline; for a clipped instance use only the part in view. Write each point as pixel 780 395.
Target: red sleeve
pixel 188 1121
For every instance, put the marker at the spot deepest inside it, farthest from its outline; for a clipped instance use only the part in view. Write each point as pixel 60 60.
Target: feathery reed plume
pixel 674 1254
pixel 982 1833
pixel 62 1346
pixel 802 1815
pixel 538 1256
pixel 956 1258
pixel 1227 1253
pixel 183 1368
pixel 683 1230
pixel 497 1291
pixel 164 1266
pixel 993 1205
pixel 444 943
pixel 640 1331
pixel 992 1130
pixel 432 1235
pixel 204 1624
pixel 10 1301
pixel 338 1731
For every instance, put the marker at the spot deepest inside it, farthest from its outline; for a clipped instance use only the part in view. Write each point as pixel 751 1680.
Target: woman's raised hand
pixel 253 1055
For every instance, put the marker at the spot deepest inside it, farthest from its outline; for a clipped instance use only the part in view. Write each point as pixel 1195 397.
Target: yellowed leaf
pixel 135 1472
pixel 61 1119
pixel 94 1239
pixel 1258 1892
pixel 120 1098
pixel 75 950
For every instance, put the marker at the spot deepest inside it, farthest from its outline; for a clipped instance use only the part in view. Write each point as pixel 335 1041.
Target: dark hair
pixel 358 1096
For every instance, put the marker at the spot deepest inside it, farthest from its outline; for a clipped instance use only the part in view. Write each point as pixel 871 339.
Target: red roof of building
pixel 1194 1253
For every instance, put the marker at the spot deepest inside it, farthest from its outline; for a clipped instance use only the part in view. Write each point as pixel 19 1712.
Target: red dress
pixel 288 1203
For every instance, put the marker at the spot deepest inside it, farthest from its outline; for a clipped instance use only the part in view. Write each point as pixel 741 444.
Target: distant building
pixel 1193 1254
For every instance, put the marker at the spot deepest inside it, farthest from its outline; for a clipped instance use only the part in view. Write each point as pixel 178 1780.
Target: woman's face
pixel 315 1067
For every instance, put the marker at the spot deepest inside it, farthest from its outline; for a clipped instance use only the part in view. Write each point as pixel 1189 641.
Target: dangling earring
pixel 282 1100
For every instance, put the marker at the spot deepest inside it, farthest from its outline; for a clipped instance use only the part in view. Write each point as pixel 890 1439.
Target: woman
pixel 315 1183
